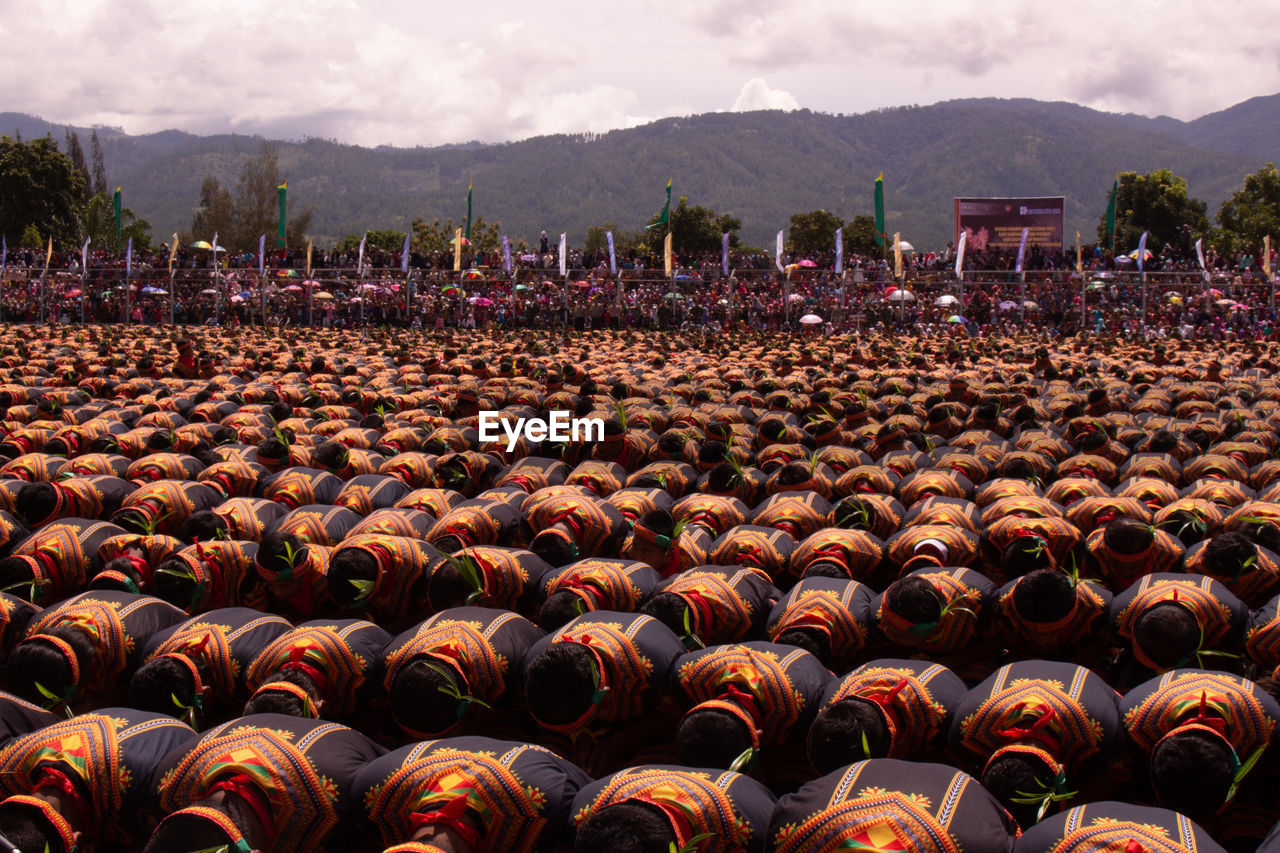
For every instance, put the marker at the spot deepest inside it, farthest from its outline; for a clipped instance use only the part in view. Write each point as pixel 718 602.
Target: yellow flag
pixel 1266 255
pixel 1079 257
pixel 897 254
pixel 310 245
pixel 173 253
pixel 666 254
pixel 48 256
pixel 457 250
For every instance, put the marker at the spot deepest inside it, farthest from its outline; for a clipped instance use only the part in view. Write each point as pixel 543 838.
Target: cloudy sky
pixel 425 73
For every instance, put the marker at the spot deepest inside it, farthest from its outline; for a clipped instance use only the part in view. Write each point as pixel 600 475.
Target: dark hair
pixel 330 455
pixel 1043 596
pixel 1013 776
pixel 347 565
pixel 188 833
pixel 15 575
pixel 40 661
pixel 627 827
pixel 553 548
pixel 813 641
pixel 35 501
pixel 203 526
pixel 1167 633
pixel 174 582
pixel 1127 535
pixel 1024 555
pixel 160 685
pixel 1191 773
pixel 710 737
pixel 1226 553
pixel 914 599
pixel 280 702
pixel 1185 526
pixel 560 608
pixel 560 683
pixel 447 587
pixel 668 608
pixel 826 569
pixel 24 832
pixel 121 565
pixel 835 738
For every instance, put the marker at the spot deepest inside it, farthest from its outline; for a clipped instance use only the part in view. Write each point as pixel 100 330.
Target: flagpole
pixel 1022 297
pixel 172 274
pixel 84 277
pixel 733 286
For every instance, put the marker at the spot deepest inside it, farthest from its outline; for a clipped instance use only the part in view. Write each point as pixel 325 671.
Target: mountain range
pixel 758 166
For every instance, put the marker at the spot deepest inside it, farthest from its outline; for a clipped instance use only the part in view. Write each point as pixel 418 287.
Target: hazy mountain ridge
pixel 760 167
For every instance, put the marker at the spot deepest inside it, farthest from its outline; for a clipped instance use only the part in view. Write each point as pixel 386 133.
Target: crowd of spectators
pixel 1171 297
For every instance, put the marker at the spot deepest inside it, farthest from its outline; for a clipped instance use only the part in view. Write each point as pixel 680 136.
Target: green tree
pixel 1156 202
pixel 485 237
pixel 98 223
pixel 432 237
pixel 76 153
pixel 694 229
pixel 99 165
pixel 40 188
pixel 860 236
pixel 1253 211
pixel 215 213
pixel 814 231
pixel 255 200
pixel 385 240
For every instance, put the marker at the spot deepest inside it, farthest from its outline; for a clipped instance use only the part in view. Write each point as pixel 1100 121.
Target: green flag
pixel 468 234
pixel 880 235
pixel 280 220
pixel 1111 212
pixel 115 202
pixel 664 218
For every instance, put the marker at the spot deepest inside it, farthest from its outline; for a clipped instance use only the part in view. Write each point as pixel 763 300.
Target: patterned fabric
pixel 342 651
pixel 840 610
pixel 604 584
pixel 226 641
pixel 486 645
pixel 964 594
pixel 885 804
pixel 784 684
pixel 634 653
pixel 302 768
pixel 731 808
pixel 858 551
pixel 1153 709
pixel 521 794
pixel 1087 616
pixel 116 623
pixel 112 751
pixel 1065 709
pixel 1165 554
pixel 724 602
pixel 1116 828
pixel 1221 616
pixel 916 698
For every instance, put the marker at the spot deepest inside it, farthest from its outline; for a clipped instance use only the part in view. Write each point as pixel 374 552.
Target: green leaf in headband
pixel 692 845
pixel 744 759
pixel 47 693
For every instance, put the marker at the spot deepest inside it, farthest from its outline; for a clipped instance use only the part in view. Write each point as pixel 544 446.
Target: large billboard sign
pixel 997 223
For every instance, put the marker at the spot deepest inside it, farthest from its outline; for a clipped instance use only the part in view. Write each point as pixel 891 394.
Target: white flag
pixel 1200 257
pixel 1142 250
pixel 564 254
pixel 777 255
pixel 964 241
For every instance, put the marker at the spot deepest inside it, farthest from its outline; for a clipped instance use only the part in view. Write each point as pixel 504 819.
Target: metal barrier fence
pixel 542 297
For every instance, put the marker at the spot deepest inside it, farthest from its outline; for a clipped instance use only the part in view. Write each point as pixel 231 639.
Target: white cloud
pixel 395 71
pixel 756 95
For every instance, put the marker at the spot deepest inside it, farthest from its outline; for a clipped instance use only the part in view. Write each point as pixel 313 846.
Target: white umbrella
pixel 906 247
pixel 946 299
pixel 1029 305
pixel 810 320
pixel 901 296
